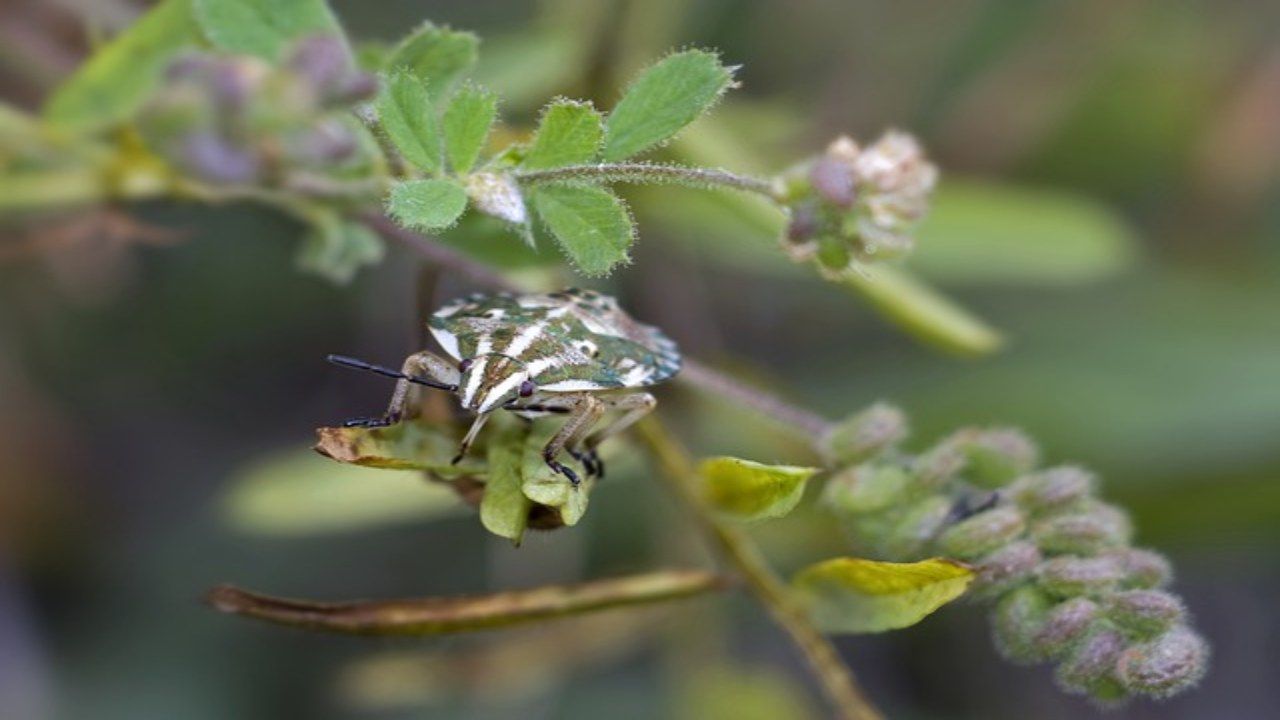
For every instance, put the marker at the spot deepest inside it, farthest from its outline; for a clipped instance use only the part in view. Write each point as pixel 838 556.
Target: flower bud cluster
pixel 232 119
pixel 855 205
pixel 1055 561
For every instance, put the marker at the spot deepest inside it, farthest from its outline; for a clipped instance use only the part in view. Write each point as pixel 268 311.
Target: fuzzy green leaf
pixel 664 99
pixel 336 249
pixel 300 493
pixel 466 126
pixel 545 486
pixel 427 204
pixel 569 134
pixel 504 510
pixel 263 27
pixel 751 491
pixel 590 223
pixel 437 56
pixel 409 118
pixel 118 78
pixel 852 595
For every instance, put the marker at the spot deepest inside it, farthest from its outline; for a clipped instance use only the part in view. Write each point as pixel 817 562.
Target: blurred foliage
pixel 1141 340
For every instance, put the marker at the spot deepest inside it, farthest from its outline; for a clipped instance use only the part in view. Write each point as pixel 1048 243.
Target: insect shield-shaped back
pixel 569 341
pixel 573 354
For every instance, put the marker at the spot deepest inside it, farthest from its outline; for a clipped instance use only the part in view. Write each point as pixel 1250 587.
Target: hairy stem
pixel 438 616
pixel 652 173
pixel 739 551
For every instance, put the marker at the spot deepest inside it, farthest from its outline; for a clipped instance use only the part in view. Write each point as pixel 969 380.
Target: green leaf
pixel 664 99
pixel 409 119
pixel 427 204
pixel 591 224
pixel 437 56
pixel 300 493
pixel 545 486
pixel 983 232
pixel 504 510
pixel 263 27
pixel 751 491
pixel 922 311
pixel 336 249
pixel 466 126
pixel 119 77
pixel 568 134
pixel 853 595
pixel 416 445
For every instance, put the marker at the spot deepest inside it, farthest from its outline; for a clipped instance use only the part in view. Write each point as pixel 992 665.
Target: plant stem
pixel 652 173
pixel 743 554
pixel 438 616
pixel 805 423
pixel 435 252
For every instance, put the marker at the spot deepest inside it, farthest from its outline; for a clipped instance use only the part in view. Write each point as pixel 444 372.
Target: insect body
pixel 573 352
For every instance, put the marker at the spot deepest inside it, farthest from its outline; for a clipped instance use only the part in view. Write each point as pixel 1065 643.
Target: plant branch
pixel 435 252
pixel 804 422
pixel 438 616
pixel 745 557
pixel 653 173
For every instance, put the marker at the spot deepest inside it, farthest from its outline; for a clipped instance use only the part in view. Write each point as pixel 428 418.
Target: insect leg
pixel 584 412
pixel 422 365
pixel 633 407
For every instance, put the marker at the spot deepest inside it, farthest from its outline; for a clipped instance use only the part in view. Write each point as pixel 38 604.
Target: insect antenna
pixel 355 364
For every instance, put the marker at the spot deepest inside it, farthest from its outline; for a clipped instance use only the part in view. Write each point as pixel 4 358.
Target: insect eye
pixel 526 388
pixel 465 365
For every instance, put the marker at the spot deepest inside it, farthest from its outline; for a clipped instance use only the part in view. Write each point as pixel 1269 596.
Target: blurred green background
pixel 1110 202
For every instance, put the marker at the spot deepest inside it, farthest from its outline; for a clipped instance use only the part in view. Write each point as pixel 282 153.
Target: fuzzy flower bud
pixel 865 488
pixel 1052 489
pixel 1144 613
pixel 938 466
pixel 1016 622
pixel 855 204
pixel 980 534
pixel 213 158
pixel 1005 568
pixel 909 537
pixel 1090 667
pixel 1094 527
pixel 996 456
pixel 864 435
pixel 1070 576
pixel 498 196
pixel 1141 568
pixel 1165 666
pixel 1066 623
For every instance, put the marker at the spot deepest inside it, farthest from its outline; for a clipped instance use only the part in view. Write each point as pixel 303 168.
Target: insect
pixel 574 353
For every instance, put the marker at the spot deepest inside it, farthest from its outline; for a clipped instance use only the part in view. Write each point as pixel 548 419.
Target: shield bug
pixel 575 353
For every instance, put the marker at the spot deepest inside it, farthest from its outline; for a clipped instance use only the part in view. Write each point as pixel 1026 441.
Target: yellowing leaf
pixel 405 446
pixel 752 491
pixel 852 595
pixel 299 493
